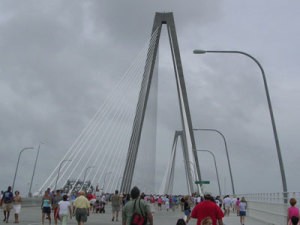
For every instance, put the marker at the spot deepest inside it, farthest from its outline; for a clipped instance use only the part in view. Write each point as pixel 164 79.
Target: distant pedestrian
pixel 237 206
pixel 55 200
pixel 167 203
pixel 233 203
pixel 65 210
pixel 136 205
pixel 116 202
pixel 243 207
pixel 293 213
pixel 46 207
pixel 159 203
pixel 186 207
pixel 17 205
pixel 181 203
pixel 7 200
pixel 227 205
pixel 81 208
pixel 207 208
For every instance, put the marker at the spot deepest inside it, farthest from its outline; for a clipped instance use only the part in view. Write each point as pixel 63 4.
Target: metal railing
pixel 269 207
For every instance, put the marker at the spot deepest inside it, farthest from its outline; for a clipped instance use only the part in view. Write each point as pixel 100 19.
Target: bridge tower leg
pixel 188 135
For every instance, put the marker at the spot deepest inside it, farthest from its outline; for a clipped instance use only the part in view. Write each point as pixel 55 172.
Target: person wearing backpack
pixel 136 211
pixel 7 200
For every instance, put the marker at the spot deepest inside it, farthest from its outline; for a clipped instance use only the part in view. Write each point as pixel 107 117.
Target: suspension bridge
pixel 118 145
pixel 118 148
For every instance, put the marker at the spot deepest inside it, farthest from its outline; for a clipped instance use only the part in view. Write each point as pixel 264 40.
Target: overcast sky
pixel 59 59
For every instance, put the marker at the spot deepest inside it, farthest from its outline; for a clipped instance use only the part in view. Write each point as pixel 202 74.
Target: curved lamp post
pixel 227 154
pixel 34 167
pixel 24 149
pixel 283 178
pixel 213 155
pixel 65 160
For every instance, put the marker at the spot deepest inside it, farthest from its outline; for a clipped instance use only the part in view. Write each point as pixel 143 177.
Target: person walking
pixel 186 207
pixel 159 203
pixel 207 208
pixel 116 202
pixel 167 203
pixel 293 213
pixel 46 207
pixel 81 208
pixel 243 207
pixel 227 205
pixel 55 200
pixel 64 209
pixel 136 205
pixel 237 206
pixel 17 205
pixel 7 199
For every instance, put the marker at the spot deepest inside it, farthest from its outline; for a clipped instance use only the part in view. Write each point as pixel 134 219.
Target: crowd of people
pixel 208 210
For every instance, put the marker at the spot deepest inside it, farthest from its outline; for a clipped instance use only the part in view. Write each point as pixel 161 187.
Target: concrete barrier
pixel 32 202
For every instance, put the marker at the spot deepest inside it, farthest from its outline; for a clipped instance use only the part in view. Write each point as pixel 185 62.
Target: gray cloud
pixel 59 60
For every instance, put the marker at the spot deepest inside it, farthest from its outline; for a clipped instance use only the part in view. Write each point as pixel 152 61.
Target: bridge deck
pixel 32 216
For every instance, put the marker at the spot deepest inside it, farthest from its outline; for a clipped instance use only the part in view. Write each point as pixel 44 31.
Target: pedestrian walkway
pixel 32 216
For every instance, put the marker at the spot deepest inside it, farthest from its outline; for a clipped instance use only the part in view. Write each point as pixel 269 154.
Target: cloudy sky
pixel 59 59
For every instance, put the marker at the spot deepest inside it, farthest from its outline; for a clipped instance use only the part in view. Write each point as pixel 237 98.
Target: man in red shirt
pixel 207 208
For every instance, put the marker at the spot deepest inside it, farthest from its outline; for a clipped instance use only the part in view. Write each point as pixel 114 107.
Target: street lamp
pixel 13 185
pixel 105 180
pixel 283 178
pixel 65 160
pixel 34 167
pixel 213 155
pixel 227 154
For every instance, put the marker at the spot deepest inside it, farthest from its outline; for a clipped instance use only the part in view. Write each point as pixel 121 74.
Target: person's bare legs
pixel 7 216
pixel 117 215
pixel 4 213
pixel 242 219
pixel 49 216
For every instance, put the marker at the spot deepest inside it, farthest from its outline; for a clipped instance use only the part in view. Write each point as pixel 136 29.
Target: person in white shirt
pixel 233 203
pixel 64 209
pixel 227 205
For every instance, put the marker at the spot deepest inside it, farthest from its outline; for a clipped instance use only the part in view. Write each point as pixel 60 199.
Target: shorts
pixel 47 210
pixel 17 208
pixel 187 212
pixel 115 209
pixel 7 206
pixel 242 213
pixel 81 214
